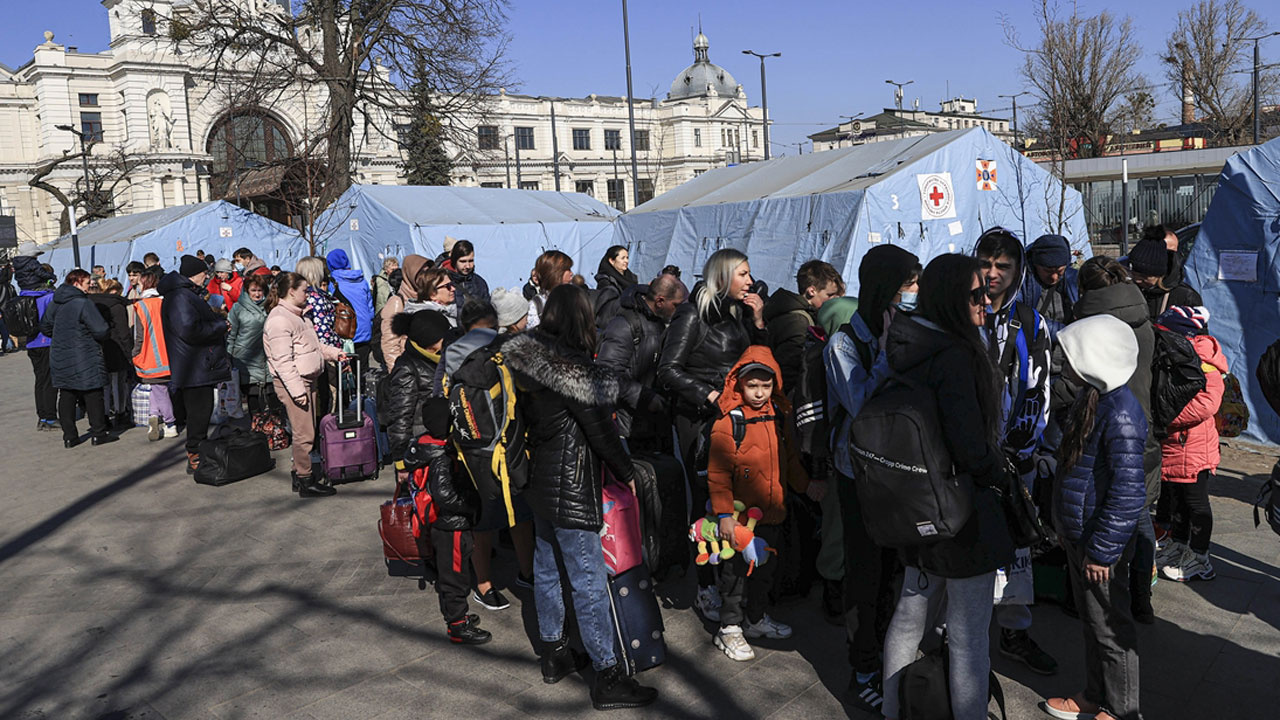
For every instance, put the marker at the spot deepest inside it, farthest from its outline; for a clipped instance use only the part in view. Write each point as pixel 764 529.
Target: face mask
pixel 908 302
pixel 239 267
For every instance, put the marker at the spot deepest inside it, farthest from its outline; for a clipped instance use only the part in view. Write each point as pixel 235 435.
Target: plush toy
pixel 706 531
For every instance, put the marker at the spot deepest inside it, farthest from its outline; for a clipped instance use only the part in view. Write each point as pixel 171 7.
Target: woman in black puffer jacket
pixel 706 337
pixel 568 407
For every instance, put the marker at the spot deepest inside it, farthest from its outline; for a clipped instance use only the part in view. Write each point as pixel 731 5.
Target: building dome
pixel 703 76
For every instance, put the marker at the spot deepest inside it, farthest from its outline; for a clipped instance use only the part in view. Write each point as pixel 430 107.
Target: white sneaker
pixel 767 628
pixel 708 603
pixel 171 431
pixel 731 642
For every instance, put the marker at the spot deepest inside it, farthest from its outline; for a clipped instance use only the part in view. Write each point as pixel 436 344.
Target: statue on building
pixel 160 120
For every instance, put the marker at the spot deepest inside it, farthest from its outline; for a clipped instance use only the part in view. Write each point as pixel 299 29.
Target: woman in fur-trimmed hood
pixel 567 401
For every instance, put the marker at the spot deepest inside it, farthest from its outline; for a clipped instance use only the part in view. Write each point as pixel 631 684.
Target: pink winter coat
pixel 1192 444
pixel 295 354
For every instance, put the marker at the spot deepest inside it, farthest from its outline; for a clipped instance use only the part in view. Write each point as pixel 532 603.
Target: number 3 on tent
pixel 895 201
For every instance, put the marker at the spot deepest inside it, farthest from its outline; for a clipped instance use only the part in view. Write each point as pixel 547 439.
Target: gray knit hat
pixel 510 306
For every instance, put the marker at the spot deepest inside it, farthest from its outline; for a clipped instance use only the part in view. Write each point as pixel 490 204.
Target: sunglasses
pixel 447 286
pixel 978 296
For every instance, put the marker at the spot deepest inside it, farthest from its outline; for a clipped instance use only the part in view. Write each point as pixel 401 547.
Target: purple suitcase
pixel 348 440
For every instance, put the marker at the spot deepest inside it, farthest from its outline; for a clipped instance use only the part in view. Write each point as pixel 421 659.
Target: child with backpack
pixel 1098 498
pixel 751 454
pixel 1190 454
pixel 455 505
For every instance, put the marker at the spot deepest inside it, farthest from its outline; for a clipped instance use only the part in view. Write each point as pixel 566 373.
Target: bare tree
pixel 1208 52
pixel 102 197
pixel 1137 112
pixel 1080 71
pixel 350 58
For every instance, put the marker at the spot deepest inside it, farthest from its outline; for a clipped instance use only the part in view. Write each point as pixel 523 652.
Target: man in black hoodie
pixel 1157 271
pixel 788 315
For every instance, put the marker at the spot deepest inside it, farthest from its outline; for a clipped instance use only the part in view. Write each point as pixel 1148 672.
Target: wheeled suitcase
pixel 637 621
pixel 664 513
pixel 348 440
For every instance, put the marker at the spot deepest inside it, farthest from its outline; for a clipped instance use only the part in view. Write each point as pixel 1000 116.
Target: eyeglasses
pixel 978 296
pixel 447 286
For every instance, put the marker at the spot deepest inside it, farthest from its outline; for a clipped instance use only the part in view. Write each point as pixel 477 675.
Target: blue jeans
pixel 584 564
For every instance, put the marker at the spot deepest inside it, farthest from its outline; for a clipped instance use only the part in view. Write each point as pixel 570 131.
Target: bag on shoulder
pixel 924 693
pixel 488 430
pixel 1268 501
pixel 908 488
pixel 344 320
pixel 1176 378
pixel 809 396
pixel 22 316
pixel 1232 418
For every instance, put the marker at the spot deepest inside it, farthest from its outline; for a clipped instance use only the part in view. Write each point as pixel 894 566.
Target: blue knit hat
pixel 1049 251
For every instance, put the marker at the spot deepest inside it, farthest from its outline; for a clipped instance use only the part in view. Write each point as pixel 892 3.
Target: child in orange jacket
pixel 751 454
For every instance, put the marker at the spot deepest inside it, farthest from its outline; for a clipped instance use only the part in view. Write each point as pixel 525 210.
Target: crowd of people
pixel 1044 373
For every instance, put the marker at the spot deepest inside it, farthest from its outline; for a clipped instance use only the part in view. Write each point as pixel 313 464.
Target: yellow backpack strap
pixel 505 384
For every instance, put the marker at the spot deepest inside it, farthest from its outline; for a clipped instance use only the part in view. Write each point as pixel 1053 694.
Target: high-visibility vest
pixel 152 360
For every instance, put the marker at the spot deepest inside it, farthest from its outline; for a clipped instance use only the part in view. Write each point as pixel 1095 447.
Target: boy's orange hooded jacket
pixel 753 472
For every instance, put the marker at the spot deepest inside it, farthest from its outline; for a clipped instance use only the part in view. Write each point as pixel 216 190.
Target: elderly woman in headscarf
pixel 393 344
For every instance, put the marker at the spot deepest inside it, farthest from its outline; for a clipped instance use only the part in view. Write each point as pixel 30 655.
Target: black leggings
pixel 1190 514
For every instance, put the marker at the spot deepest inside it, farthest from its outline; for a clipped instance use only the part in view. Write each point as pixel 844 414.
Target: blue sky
pixel 836 55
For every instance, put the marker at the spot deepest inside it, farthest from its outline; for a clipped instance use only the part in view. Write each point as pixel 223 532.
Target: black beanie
pixel 1050 251
pixel 423 328
pixel 435 417
pixel 1149 257
pixel 883 270
pixel 190 266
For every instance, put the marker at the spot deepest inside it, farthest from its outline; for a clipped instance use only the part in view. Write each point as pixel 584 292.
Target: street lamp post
pixel 1257 64
pixel 84 157
pixel 897 94
pixel 555 145
pixel 1016 129
pixel 764 94
pixel 506 153
pixel 631 110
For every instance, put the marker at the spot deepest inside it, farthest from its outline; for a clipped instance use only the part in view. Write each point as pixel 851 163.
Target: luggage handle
pixel 353 362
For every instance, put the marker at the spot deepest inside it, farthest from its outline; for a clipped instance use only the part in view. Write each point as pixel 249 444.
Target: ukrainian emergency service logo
pixel 937 200
pixel 986 174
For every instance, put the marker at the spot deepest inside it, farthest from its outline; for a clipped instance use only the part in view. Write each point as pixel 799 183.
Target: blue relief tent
pixel 509 228
pixel 216 227
pixel 931 194
pixel 1235 264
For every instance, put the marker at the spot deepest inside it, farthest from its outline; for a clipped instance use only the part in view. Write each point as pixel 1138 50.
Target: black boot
pixel 1142 610
pixel 614 690
pixel 308 486
pixel 559 661
pixel 466 632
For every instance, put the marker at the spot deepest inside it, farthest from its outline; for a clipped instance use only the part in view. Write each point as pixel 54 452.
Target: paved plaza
pixel 128 591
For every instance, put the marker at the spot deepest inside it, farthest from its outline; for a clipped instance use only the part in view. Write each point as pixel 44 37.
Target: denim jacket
pixel 849 384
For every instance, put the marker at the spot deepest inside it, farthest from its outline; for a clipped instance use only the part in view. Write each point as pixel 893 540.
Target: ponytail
pixel 280 286
pixel 1084 413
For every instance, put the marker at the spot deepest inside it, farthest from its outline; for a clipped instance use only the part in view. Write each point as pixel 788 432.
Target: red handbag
pixel 405 555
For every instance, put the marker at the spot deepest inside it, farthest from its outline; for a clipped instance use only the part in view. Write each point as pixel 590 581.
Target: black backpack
pixel 1176 378
pixel 908 488
pixel 809 397
pixel 1268 501
pixel 22 316
pixel 924 693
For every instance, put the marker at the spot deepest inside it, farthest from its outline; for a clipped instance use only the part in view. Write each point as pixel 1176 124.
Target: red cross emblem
pixel 936 196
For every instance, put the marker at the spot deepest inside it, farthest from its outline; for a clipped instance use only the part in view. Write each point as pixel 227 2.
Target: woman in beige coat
pixel 296 358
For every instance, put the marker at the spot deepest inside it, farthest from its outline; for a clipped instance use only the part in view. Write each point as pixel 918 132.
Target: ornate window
pixel 247 138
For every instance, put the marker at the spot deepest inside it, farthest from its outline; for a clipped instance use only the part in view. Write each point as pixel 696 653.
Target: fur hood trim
pixel 536 362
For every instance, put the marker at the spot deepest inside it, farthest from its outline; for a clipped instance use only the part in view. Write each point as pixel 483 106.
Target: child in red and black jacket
pixel 456 505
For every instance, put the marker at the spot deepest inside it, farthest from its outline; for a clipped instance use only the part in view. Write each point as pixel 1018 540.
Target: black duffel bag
pixel 234 455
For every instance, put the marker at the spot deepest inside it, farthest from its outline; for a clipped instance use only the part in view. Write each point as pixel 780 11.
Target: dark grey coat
pixel 78 329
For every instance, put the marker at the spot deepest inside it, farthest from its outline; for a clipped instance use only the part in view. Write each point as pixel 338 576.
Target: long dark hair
pixel 569 318
pixel 1079 425
pixel 461 249
pixel 946 287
